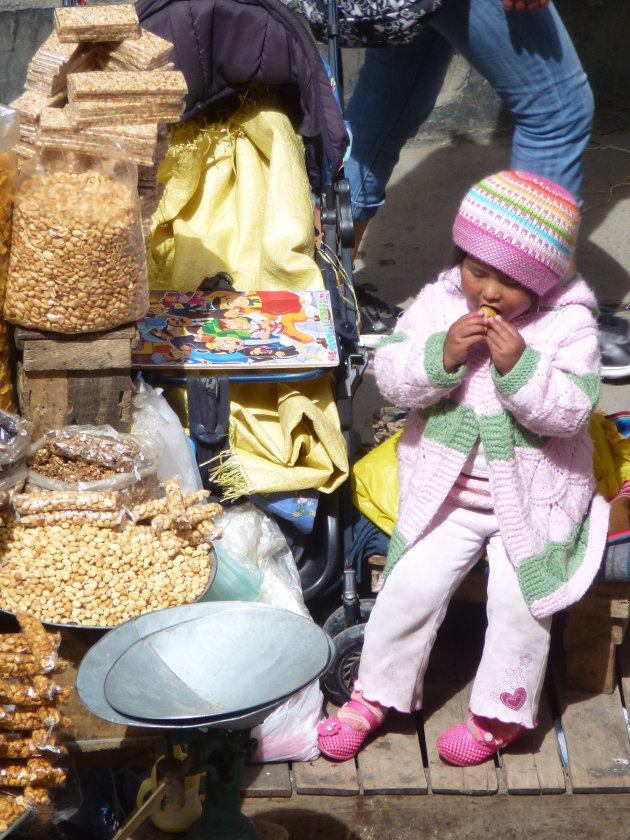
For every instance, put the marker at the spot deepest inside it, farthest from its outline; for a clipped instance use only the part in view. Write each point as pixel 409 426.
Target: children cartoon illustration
pixel 498 361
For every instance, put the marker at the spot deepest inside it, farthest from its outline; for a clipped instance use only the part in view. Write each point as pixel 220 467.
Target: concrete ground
pixel 409 240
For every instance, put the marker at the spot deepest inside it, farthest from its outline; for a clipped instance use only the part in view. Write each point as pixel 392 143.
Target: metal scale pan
pixel 223 665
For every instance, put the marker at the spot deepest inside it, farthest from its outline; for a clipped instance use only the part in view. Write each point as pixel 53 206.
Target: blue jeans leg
pixel 531 63
pixel 395 93
pixel 529 60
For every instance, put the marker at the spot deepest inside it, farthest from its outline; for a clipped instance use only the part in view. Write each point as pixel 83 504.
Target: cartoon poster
pixel 229 329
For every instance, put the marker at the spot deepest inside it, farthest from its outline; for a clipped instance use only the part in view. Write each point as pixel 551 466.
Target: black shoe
pixel 377 318
pixel 614 345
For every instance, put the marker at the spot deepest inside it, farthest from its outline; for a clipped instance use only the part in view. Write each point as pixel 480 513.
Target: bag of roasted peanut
pixel 95 459
pixel 9 136
pixel 77 261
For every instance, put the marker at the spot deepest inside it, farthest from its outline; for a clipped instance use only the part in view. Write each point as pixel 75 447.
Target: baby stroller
pixel 223 47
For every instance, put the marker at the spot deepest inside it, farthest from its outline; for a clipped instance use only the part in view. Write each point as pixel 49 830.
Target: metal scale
pixel 206 674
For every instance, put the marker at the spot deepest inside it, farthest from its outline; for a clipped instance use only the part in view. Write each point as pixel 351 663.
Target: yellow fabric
pixel 282 438
pixel 375 484
pixel 236 199
pixel 375 476
pixel 611 455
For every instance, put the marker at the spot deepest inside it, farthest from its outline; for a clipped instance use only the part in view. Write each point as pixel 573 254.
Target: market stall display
pixel 70 104
pixel 208 703
pixel 30 720
pixel 96 539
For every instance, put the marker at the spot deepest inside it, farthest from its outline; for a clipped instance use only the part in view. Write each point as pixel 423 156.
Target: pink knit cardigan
pixel 533 425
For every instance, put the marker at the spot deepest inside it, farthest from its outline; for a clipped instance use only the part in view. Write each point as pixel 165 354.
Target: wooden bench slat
pixel 532 764
pixel 597 741
pixel 391 762
pixel 266 780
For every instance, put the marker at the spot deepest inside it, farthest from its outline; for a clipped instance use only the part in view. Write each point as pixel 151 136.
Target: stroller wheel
pixel 336 622
pixel 338 680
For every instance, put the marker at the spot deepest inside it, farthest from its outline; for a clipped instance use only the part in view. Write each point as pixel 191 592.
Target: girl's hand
pixel 505 343
pixel 461 336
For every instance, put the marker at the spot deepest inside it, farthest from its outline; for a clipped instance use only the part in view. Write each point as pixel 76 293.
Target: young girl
pixel 498 361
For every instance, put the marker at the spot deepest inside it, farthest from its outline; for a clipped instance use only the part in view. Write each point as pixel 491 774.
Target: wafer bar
pixel 53 61
pixel 96 23
pixel 148 52
pixel 126 83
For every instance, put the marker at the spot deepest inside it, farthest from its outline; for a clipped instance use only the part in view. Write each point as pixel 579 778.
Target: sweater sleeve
pixel 553 390
pixel 409 364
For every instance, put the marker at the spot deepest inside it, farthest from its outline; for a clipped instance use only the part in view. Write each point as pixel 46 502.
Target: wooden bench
pixel 593 627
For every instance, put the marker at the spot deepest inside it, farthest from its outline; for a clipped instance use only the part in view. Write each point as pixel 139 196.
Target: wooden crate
pixel 76 379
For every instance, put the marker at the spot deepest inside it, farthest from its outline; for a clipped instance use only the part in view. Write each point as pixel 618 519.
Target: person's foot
pixel 476 740
pixel 377 318
pixel 342 735
pixel 614 344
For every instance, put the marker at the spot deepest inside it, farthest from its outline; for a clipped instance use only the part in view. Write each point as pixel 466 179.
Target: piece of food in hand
pixel 489 311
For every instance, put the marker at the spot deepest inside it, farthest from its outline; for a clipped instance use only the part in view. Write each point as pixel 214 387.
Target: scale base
pixel 243 829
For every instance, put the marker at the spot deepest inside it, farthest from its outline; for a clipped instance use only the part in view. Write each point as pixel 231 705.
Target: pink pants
pixel 402 627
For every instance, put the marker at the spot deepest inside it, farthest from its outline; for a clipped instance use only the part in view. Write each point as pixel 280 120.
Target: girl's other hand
pixel 505 343
pixel 461 336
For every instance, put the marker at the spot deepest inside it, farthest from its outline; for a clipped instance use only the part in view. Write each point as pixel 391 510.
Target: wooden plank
pixel 21 335
pixel 43 401
pixel 597 741
pixel 266 780
pixel 391 762
pixel 532 764
pixel 325 776
pixel 453 664
pixel 98 354
pixel 446 705
pixel 593 627
pixel 100 398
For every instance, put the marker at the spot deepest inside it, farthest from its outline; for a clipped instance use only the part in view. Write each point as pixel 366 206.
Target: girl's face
pixel 485 286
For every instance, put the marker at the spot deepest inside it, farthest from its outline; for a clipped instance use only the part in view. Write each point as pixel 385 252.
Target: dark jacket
pixel 223 46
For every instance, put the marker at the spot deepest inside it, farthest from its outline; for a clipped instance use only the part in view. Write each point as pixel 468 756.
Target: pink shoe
pixel 457 745
pixel 339 740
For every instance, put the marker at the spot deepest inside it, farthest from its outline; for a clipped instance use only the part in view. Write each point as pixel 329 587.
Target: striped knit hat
pixel 522 225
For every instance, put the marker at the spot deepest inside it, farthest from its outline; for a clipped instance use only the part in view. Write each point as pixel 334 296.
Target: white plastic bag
pixel 152 415
pixel 290 732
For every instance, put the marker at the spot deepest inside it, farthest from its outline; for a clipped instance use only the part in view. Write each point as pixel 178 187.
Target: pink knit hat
pixel 522 225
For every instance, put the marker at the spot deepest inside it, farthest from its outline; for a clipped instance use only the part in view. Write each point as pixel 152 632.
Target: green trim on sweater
pixel 590 383
pixel 501 434
pixel 520 374
pixel 451 425
pixel 434 363
pixel 546 572
pixel 397 547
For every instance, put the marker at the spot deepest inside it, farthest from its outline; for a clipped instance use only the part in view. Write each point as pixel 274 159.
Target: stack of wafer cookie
pixel 136 96
pixel 108 78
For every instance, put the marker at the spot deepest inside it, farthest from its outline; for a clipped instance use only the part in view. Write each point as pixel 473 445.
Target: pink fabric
pixel 409 610
pixel 539 494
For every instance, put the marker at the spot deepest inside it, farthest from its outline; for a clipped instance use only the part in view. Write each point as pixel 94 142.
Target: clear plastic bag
pixel 152 415
pixel 9 136
pixel 14 449
pixel 77 261
pixel 290 732
pixel 68 459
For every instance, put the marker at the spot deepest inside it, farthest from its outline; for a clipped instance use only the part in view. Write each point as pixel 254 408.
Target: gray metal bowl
pixel 220 665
